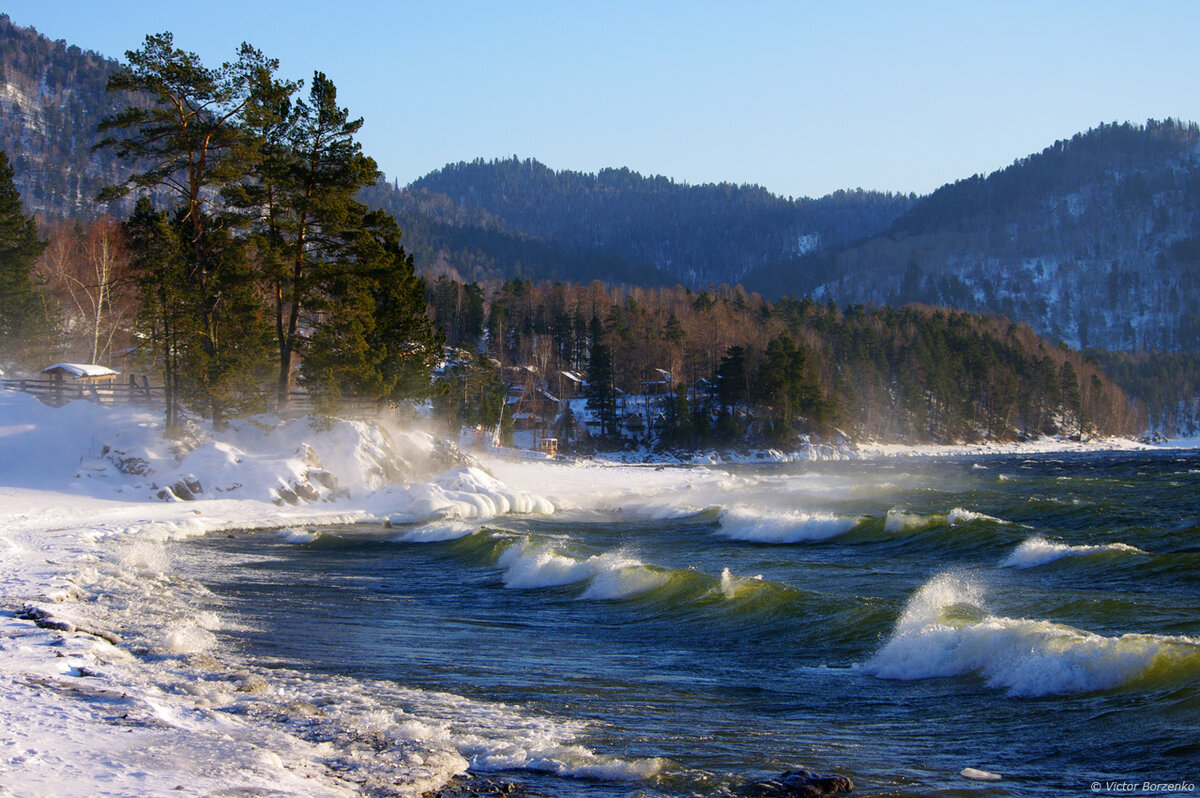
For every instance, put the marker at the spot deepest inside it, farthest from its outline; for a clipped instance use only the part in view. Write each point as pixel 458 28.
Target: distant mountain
pixel 52 97
pixel 698 235
pixel 472 245
pixel 1095 241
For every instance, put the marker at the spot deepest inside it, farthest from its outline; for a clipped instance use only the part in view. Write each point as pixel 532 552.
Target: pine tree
pixel 377 344
pixel 189 142
pixel 300 204
pixel 601 390
pixel 158 266
pixel 24 316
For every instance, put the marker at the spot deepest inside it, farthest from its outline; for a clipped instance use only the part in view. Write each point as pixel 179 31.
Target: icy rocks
pixel 185 489
pixel 802 784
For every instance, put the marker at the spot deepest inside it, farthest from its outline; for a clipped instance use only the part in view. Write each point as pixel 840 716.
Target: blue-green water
pixel 894 621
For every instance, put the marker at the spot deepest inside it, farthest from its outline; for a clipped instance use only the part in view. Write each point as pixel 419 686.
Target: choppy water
pixel 895 621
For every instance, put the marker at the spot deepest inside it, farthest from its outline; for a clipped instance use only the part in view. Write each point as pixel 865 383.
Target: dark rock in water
pixel 473 786
pixel 802 784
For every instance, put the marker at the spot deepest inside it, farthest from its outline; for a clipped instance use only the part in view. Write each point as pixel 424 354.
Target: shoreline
pixel 112 684
pixel 874 450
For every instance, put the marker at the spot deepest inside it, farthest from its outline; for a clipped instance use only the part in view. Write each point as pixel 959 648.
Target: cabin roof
pixel 81 371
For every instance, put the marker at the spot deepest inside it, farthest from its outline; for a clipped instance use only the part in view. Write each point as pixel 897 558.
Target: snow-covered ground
pixel 110 680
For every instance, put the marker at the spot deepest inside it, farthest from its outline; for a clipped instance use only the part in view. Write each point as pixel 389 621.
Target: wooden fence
pixel 109 392
pixel 138 391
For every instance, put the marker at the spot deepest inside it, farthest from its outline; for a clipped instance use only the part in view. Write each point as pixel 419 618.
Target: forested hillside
pixel 737 369
pixel 1095 241
pixel 699 235
pixel 52 98
pixel 470 244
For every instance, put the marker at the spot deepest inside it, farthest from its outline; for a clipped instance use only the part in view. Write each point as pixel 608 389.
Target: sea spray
pixel 781 526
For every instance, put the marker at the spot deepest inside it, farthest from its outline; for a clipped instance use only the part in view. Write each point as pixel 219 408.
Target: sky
pixel 803 98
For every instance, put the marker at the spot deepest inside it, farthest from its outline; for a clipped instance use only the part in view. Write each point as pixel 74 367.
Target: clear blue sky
pixel 800 97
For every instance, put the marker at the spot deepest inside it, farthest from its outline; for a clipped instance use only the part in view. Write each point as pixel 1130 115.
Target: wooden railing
pixel 109 392
pixel 137 390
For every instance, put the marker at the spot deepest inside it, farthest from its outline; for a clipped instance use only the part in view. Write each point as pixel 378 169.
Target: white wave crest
pixel 296 536
pixel 787 526
pixel 945 631
pixel 464 493
pixel 1039 551
pixel 898 521
pixel 612 575
pixel 960 516
pixel 437 531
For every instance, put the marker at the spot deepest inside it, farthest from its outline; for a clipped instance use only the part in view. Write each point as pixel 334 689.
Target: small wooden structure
pixel 82 377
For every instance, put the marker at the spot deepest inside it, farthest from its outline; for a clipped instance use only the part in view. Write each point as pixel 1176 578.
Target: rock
pixel 803 784
pixel 186 489
pixel 44 619
pixel 322 477
pixel 286 494
pixel 305 491
pixel 309 456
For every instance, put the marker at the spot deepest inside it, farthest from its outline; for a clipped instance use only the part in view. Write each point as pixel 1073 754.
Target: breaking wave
pixel 611 575
pixel 1039 551
pixel 786 526
pixel 946 631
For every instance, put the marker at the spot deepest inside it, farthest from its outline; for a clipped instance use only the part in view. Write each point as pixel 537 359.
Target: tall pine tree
pixel 188 142
pixel 24 317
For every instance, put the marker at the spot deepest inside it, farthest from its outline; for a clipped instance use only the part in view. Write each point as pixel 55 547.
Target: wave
pixel 465 493
pixel 786 526
pixel 898 521
pixel 297 535
pixel 1039 551
pixel 945 631
pixel 437 531
pixel 611 575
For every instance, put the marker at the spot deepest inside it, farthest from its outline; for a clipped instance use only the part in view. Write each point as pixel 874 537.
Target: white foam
pixel 960 516
pixel 611 575
pixel 1039 551
pixel 623 581
pixel 187 638
pixel 296 536
pixel 463 493
pixel 781 526
pixel 530 566
pixel 437 531
pixel 945 631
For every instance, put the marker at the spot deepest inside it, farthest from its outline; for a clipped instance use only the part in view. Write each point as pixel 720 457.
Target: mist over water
pixel 895 621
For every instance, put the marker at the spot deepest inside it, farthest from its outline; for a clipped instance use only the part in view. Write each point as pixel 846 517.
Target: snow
pixel 81 370
pixel 111 682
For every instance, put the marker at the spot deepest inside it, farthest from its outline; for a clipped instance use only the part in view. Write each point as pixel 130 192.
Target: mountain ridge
pixel 1093 241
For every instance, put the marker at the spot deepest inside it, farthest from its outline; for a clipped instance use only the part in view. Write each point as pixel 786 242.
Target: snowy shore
pixel 111 681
